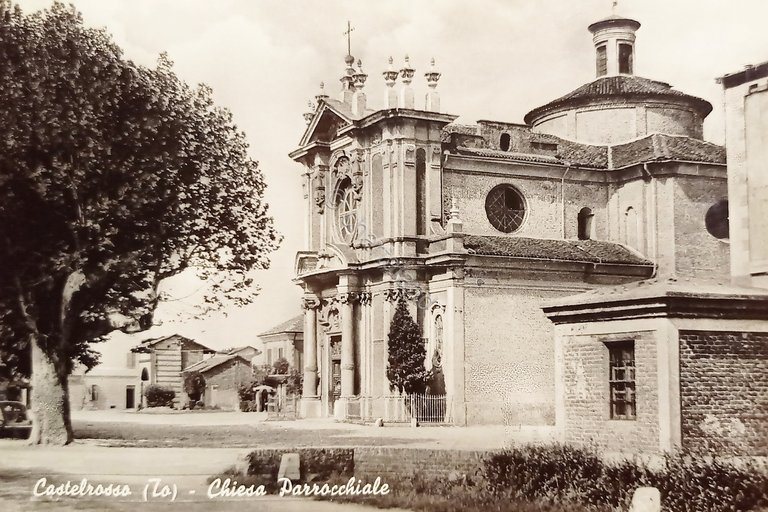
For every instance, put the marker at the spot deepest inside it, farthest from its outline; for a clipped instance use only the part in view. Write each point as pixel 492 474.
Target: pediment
pixel 326 123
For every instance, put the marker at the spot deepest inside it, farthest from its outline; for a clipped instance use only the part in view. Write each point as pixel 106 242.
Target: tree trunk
pixel 51 423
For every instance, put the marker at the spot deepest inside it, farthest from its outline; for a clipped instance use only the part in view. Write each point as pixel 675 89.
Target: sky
pixel 498 59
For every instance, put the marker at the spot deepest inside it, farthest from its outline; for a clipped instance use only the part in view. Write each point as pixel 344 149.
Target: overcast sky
pixel 499 59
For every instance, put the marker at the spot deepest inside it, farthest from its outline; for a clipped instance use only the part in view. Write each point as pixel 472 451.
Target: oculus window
pixel 716 220
pixel 505 208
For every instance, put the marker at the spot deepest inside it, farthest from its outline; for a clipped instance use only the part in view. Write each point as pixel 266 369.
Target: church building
pixel 478 227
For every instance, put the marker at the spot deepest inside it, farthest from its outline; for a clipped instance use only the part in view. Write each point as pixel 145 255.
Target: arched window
pixel 586 224
pixel 144 374
pixel 504 141
pixel 630 227
pixel 421 191
pixel 345 204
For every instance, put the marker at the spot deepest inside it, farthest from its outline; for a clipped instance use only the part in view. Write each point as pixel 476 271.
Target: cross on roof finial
pixel 348 33
pixel 614 6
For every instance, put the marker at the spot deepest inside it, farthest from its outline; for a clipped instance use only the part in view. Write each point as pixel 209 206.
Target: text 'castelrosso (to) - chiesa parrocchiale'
pixel 573 270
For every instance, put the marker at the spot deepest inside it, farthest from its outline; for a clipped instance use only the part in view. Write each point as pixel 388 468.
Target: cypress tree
pixel 405 367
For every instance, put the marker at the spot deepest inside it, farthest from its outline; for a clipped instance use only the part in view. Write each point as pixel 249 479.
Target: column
pixel 310 304
pixel 347 344
pixel 310 406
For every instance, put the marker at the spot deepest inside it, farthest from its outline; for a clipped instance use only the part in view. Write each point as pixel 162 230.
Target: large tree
pixel 113 177
pixel 405 367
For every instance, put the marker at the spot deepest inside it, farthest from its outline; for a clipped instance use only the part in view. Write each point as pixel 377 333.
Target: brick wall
pixel 587 404
pixel 724 391
pixel 227 377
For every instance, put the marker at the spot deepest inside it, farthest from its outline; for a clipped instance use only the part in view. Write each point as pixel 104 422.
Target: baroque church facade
pixel 487 229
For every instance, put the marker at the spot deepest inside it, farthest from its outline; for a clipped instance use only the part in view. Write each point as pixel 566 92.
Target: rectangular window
pixel 131 360
pixel 269 356
pixel 280 353
pixel 622 380
pixel 602 61
pixel 625 58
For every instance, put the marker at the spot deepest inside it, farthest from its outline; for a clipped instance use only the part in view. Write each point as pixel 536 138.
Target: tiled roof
pixel 591 251
pixel 295 324
pixel 624 87
pixel 666 147
pixel 147 344
pixel 464 129
pixel 659 287
pixel 212 362
pixel 650 148
pixel 507 155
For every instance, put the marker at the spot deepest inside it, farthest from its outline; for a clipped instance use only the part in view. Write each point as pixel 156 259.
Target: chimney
pixel 406 93
pixel 390 77
pixel 358 97
pixel 432 103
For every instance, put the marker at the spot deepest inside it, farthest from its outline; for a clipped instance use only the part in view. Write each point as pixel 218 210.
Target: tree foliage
pixel 281 366
pixel 405 368
pixel 194 385
pixel 113 177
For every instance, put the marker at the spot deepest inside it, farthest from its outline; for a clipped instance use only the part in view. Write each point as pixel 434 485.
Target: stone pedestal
pixel 340 408
pixel 310 407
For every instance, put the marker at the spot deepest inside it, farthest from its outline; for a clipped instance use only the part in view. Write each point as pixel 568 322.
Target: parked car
pixel 14 420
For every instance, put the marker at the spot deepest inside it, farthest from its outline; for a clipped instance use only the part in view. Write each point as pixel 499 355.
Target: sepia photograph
pixel 413 255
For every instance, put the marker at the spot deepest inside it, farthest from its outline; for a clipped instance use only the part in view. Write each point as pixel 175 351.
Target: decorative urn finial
pixel 433 75
pixel 407 71
pixel 321 94
pixel 310 114
pixel 391 74
pixel 359 77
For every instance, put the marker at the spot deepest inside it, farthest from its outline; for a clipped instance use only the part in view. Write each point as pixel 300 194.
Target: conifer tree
pixel 405 368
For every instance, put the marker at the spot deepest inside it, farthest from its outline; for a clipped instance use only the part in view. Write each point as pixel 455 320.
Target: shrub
pixel 194 386
pixel 159 396
pixel 687 483
pixel 294 382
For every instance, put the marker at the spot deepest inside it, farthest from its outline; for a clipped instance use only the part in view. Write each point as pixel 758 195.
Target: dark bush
pixel 194 386
pixel 281 366
pixel 159 396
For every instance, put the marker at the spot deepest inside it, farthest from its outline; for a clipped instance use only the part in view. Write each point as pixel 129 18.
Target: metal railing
pixel 424 408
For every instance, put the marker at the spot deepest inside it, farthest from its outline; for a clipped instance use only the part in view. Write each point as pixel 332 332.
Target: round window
pixel 716 220
pixel 505 208
pixel 346 211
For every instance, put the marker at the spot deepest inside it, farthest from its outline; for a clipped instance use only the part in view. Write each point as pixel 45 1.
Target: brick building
pixel 479 226
pixel 683 359
pixel 224 374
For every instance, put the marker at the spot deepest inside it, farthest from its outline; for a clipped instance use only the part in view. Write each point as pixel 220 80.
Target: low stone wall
pixel 386 462
pixel 369 463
